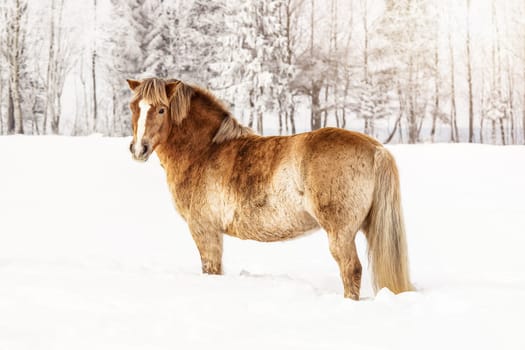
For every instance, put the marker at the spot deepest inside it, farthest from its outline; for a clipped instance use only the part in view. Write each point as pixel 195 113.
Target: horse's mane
pixel 152 91
pixel 158 91
pixel 231 129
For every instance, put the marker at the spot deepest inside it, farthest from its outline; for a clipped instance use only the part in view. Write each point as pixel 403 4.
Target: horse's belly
pixel 276 212
pixel 271 220
pixel 272 226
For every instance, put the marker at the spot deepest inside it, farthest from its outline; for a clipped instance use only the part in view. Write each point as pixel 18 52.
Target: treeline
pixel 401 70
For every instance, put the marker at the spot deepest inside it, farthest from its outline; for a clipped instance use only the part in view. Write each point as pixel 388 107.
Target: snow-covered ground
pixel 93 256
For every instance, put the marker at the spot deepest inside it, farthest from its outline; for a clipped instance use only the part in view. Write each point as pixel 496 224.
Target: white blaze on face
pixel 141 126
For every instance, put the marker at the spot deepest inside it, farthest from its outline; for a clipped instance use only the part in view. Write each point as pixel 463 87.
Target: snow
pixel 82 266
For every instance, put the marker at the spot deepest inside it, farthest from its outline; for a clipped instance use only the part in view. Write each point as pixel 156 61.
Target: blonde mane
pixel 231 129
pixel 152 91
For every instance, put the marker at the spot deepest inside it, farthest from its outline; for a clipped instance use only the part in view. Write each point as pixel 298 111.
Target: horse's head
pixel 156 106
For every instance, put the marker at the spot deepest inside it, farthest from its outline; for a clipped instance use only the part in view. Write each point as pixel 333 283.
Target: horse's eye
pixel 161 111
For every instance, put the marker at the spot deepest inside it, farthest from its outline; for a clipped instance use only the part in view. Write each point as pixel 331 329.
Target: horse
pixel 226 179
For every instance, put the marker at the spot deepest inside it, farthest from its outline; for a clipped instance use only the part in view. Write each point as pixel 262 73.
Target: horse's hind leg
pixel 342 247
pixel 210 250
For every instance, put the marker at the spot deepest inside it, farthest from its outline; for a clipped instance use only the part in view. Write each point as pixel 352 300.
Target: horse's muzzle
pixel 140 153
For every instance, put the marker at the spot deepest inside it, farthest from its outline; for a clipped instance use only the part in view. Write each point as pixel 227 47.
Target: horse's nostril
pixel 144 149
pixel 131 147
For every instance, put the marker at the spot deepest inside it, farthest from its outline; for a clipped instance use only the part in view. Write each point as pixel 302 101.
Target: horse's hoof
pixel 352 296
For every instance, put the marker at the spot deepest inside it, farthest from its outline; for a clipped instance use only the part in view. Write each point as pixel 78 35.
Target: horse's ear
pixel 133 84
pixel 179 95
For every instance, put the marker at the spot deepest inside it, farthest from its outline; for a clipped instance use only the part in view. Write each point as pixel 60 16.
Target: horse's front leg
pixel 209 244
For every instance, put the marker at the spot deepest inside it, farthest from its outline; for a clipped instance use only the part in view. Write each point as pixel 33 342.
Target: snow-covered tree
pixel 203 27
pixel 59 62
pixel 131 28
pixel 496 111
pixel 399 52
pixel 164 39
pixel 13 48
pixel 257 63
pixel 373 105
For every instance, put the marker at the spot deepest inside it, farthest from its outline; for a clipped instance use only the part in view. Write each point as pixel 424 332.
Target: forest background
pixel 404 71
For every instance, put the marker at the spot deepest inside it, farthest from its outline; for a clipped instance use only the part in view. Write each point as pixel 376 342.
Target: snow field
pixel 93 256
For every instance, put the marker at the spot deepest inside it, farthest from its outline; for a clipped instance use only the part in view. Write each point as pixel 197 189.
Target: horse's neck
pixel 174 158
pixel 188 142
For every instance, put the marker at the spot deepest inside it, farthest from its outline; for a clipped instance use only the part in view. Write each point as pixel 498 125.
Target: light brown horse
pixel 227 180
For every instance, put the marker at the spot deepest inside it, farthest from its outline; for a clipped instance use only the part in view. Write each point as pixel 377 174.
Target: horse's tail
pixel 385 228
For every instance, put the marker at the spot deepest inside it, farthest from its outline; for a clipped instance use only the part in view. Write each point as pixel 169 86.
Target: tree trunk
pixel 324 115
pixel 482 104
pixel 312 31
pixel 59 72
pixel 396 125
pixel 400 130
pixel 331 49
pixel 93 67
pixel 55 121
pixel 280 112
pixel 368 121
pixel 336 67
pixel 1 98
pixel 290 109
pixel 510 114
pixel 10 112
pixel 78 108
pixel 454 137
pixel 502 131
pixel 292 119
pixel 412 114
pixel 523 63
pixel 523 97
pixel 114 104
pixel 260 128
pixel 85 95
pixel 481 126
pixel 288 29
pixel 50 95
pixel 469 80
pixel 34 122
pixel 437 81
pixel 493 125
pixel 315 120
pixel 252 106
pixel 345 98
pixel 496 72
pixel 347 74
pixel 19 121
pixel 365 46
pixel 287 122
pixel 16 58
